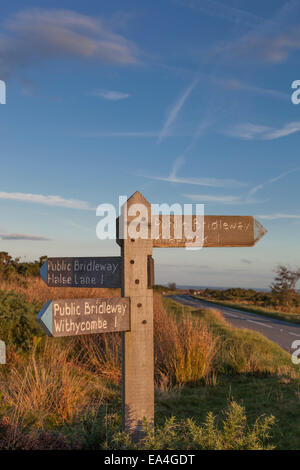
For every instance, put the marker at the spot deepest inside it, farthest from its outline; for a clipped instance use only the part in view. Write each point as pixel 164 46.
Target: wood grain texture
pixel 137 345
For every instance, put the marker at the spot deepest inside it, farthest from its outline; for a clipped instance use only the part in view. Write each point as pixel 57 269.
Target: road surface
pixel 279 331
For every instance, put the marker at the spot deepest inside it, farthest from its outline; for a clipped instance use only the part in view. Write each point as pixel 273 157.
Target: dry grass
pixel 102 354
pixel 51 387
pixel 34 289
pixel 184 350
pixel 244 351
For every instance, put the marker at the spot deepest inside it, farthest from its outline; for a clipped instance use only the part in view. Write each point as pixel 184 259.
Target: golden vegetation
pixel 34 289
pixel 59 381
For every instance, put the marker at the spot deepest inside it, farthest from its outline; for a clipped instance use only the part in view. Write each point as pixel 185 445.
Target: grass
pixel 246 307
pixel 51 388
pixel 184 351
pixel 249 369
pixel 240 350
pixel 216 386
pixel 36 291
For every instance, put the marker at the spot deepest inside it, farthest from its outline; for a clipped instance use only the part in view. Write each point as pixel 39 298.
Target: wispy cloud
pixel 175 109
pixel 269 42
pixel 110 95
pixel 181 159
pixel 234 84
pixel 24 237
pixel 250 131
pixel 32 35
pixel 288 129
pixel 178 163
pixel 202 198
pixel 133 134
pixel 278 215
pixel 223 199
pixel 274 49
pixel 56 201
pixel 210 182
pixel 217 9
pixel 272 180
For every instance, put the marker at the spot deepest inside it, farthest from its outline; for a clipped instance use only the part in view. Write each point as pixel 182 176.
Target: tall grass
pixel 184 350
pixel 35 290
pixel 244 351
pixel 62 380
pixel 102 354
pixel 50 388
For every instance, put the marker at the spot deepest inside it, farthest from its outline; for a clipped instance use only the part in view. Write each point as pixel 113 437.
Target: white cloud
pixel 202 198
pixel 174 111
pixel 250 131
pixel 110 95
pixel 22 236
pixel 226 12
pixel 234 84
pixel 223 199
pixel 33 35
pixel 272 180
pixel 178 163
pixel 288 129
pixel 279 215
pixel 273 49
pixel 139 134
pixel 55 201
pixel 211 182
pixel 247 131
pixel 269 42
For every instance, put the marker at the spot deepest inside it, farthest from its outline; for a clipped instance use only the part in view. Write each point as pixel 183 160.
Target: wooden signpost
pixel 134 273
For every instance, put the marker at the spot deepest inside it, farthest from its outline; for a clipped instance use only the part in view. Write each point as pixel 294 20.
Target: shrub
pixel 17 325
pixel 233 433
pixel 13 437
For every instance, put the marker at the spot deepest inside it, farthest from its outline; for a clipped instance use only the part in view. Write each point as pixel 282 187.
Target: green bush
pixel 18 325
pixel 232 433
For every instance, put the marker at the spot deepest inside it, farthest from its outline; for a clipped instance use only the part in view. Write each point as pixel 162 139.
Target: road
pixel 281 332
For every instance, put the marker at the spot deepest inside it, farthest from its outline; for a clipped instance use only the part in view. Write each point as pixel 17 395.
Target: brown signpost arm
pixel 137 344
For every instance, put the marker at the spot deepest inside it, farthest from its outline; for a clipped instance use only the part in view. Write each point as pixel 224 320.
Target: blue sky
pixel 185 100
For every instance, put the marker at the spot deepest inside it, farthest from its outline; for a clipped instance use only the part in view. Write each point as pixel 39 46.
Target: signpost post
pixel 137 344
pixel 133 271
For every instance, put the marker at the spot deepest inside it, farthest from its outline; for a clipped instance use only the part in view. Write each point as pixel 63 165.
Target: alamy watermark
pixel 2 92
pixel 170 224
pixel 295 355
pixel 2 352
pixel 295 98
